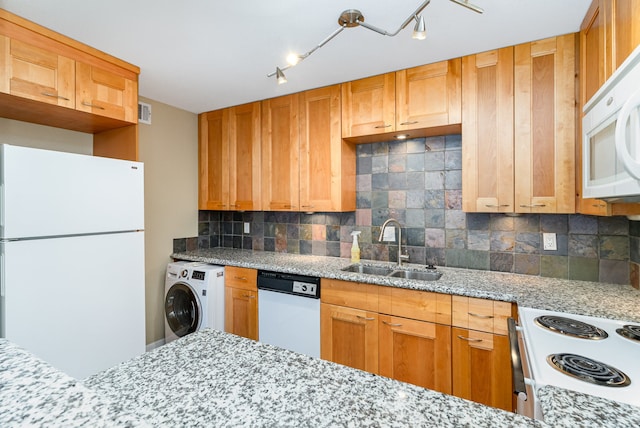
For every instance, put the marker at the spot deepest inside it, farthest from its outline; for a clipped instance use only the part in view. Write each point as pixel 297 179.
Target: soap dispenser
pixel 355 248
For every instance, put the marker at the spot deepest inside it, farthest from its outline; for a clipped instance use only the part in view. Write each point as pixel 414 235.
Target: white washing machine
pixel 194 298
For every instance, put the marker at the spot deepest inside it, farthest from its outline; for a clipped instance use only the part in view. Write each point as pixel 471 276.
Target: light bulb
pixel 293 59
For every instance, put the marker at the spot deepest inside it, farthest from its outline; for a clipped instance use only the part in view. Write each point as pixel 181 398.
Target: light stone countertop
pixel 613 301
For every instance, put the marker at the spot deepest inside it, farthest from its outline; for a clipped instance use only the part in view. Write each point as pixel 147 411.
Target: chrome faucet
pixel 401 256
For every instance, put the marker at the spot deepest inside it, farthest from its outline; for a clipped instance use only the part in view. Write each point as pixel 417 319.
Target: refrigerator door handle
pixel 2 269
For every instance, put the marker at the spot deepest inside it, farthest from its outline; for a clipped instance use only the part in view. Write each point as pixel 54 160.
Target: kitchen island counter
pixel 211 378
pixel 613 301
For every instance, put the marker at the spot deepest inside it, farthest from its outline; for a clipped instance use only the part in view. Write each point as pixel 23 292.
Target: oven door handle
pixel 518 382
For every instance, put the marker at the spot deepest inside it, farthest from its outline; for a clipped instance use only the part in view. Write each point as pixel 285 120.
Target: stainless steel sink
pixel 431 275
pixel 422 275
pixel 369 269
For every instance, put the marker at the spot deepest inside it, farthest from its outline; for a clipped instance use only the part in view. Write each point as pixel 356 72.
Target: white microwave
pixel 611 137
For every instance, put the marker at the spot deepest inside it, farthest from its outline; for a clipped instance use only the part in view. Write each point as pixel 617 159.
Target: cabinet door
pixel 482 368
pixel 481 314
pixel 241 312
pixel 36 73
pixel 487 131
pixel 244 157
pixel 105 93
pixel 349 336
pixel 368 106
pixel 213 160
pixel 626 26
pixel 545 133
pixel 280 152
pixel 416 352
pixel 429 95
pixel 327 164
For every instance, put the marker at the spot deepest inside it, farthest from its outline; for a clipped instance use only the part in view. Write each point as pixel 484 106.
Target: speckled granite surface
pixel 621 302
pixel 32 393
pixel 569 409
pixel 211 378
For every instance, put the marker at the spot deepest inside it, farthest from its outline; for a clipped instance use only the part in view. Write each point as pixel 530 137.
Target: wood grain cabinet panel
pixel 368 106
pixel 349 337
pixel 482 368
pixel 213 160
pixel 280 154
pixel 481 314
pixel 241 302
pixel 429 95
pixel 487 132
pixel 416 352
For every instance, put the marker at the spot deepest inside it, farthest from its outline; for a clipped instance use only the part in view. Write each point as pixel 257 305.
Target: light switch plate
pixel 549 242
pixel 389 234
pixel 246 227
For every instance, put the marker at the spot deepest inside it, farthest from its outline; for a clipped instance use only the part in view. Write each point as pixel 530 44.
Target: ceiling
pixel 200 55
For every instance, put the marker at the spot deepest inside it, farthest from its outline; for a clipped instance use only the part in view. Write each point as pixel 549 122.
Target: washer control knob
pixel 184 273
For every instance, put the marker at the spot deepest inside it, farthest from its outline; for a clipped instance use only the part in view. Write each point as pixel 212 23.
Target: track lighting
pixel 354 18
pixel 280 77
pixel 468 5
pixel 419 31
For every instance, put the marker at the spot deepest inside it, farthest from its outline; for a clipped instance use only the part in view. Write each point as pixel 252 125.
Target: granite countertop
pixel 614 301
pixel 211 378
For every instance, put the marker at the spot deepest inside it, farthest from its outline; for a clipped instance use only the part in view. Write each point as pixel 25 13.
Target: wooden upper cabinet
pixel 105 93
pixel 368 106
pixel 429 95
pixel 280 154
pixel 545 133
pixel 609 33
pixel 327 164
pixel 213 160
pixel 36 73
pixel 487 132
pixel 244 157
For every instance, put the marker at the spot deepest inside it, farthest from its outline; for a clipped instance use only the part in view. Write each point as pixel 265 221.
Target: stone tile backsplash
pixel 418 182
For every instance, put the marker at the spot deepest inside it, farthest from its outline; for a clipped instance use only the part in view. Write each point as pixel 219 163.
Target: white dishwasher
pixel 289 311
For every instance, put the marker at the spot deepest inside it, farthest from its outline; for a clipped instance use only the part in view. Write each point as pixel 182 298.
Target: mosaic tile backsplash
pixel 418 182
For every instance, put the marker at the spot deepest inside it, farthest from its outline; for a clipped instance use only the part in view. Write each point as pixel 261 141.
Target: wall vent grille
pixel 144 113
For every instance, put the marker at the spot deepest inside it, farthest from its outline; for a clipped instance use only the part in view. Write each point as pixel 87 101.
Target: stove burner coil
pixel 588 370
pixel 630 331
pixel 570 327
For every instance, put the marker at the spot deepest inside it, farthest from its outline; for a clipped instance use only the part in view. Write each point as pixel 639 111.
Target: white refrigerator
pixel 72 257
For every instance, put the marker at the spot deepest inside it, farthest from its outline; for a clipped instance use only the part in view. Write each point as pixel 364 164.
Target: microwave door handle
pixel 630 107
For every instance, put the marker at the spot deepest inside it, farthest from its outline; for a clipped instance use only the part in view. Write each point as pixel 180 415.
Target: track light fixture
pixel 354 18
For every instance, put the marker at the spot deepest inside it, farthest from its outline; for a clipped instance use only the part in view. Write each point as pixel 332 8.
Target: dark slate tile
pixel 293 246
pixel 203 242
pixel 436 256
pixel 502 241
pixel 397 199
pixel 417 255
pixel 269 244
pixel 502 222
pixel 554 267
pixel 478 240
pixel 305 247
pixel 434 218
pixel 248 216
pixel 634 228
pixel 333 233
pixel 379 215
pixel 269 230
pixel 282 217
pixel 247 243
pixel 434 161
pixel 237 227
pixel 380 181
pixel 258 243
pixel 214 241
pixel 453 141
pixel 614 247
pixel 415 218
pixel 203 216
pixel 397 181
pixel 434 180
pixel 477 259
pixel 434 199
pixel 527 223
pixel 415 198
pixel 435 238
pixel 453 179
pixel 455 238
pixel 433 144
pixel 363 165
pixel 583 269
pixel 180 245
pixel 203 228
pixel 613 225
pixel 528 264
pixel 270 217
pixel 363 183
pixel 293 231
pixel 455 219
pixel 501 262
pixel 478 221
pixel 582 224
pixel 415 236
pixel 397 146
pixel 415 162
pixel 416 145
pixel 294 218
pixel 583 246
pixel 226 216
pixel 379 199
pixel 318 218
pixel 527 242
pixel 415 180
pixel 614 271
pixel 319 248
pixel 453 159
pixel 306 218
pixel 363 199
pixel 226 228
pixel 192 243
pixel 380 148
pixel 332 218
pixel 634 249
pixel 397 163
pixel 453 199
pixel 333 249
pixel 364 150
pixel 348 219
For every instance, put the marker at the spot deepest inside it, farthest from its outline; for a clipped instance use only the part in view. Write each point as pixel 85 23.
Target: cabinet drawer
pixel 481 314
pixel 415 304
pixel 350 294
pixel 243 278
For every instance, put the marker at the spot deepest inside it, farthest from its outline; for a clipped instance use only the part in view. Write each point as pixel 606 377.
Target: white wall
pixel 169 150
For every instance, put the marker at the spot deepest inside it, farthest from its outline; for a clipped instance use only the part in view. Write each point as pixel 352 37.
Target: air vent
pixel 144 113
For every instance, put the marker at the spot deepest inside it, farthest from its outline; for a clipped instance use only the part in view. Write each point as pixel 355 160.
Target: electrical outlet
pixel 246 227
pixel 549 242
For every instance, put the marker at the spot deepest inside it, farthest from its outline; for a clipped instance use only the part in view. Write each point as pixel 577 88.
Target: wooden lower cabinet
pixel 482 368
pixel 241 302
pixel 349 336
pixel 416 352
